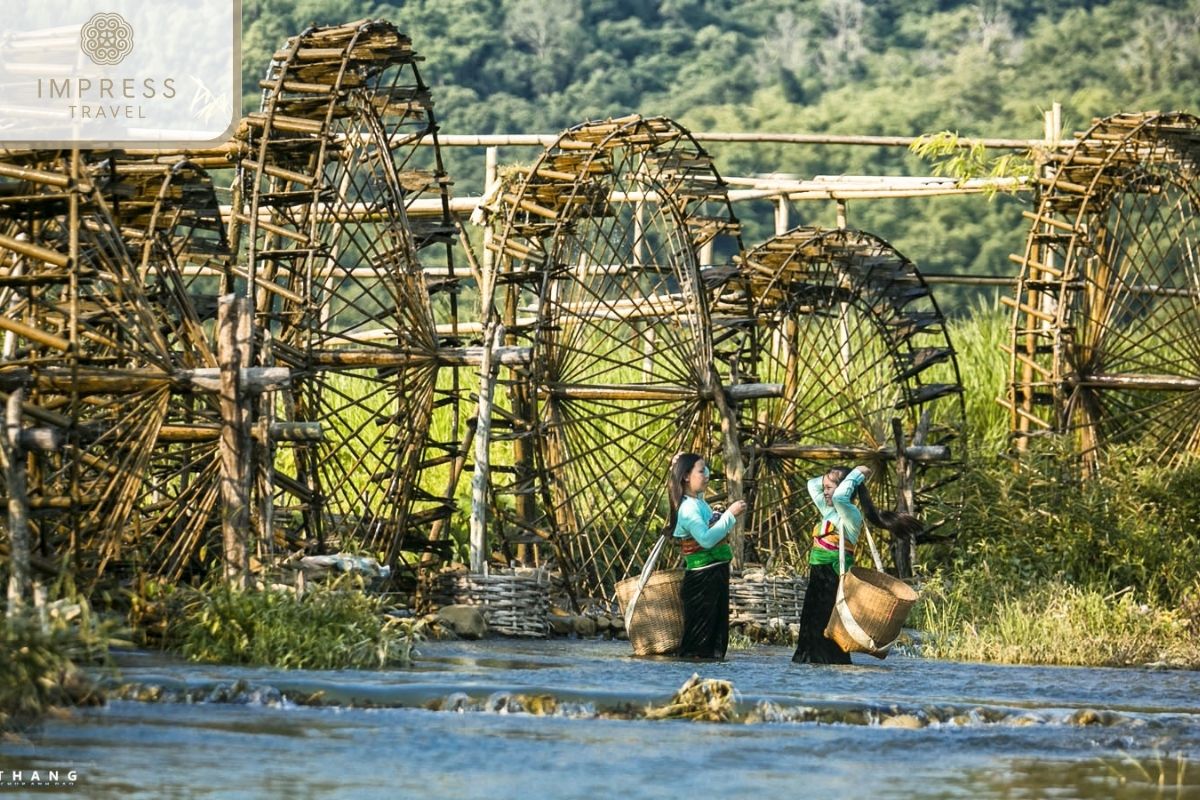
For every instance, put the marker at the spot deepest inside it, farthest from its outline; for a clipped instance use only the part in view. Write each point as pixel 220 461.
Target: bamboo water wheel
pixel 333 268
pixel 87 348
pixel 1105 344
pixel 851 335
pixel 169 216
pixel 599 272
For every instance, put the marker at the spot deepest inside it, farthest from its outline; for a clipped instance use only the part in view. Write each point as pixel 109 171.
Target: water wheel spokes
pixel 1105 347
pixel 853 339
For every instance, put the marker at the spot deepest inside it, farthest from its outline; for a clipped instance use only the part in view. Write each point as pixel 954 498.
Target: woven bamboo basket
pixel 657 625
pixel 879 604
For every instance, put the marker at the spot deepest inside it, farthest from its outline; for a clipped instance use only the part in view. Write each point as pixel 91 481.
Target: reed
pixel 41 658
pixel 334 626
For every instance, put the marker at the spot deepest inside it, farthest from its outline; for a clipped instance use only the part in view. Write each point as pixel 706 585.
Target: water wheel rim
pixel 845 306
pixel 1117 360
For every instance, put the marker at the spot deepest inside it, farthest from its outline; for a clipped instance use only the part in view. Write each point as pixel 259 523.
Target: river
pixel 453 726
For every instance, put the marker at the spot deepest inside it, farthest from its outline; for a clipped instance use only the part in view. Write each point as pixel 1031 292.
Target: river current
pixel 562 719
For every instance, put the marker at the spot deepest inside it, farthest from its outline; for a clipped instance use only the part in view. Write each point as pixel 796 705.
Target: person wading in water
pixel 707 555
pixel 833 494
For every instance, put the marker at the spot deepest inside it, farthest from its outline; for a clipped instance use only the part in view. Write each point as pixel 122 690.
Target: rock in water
pixel 466 621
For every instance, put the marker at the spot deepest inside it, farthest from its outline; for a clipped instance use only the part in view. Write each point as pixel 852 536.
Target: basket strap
pixel 647 571
pixel 871 543
pixel 853 628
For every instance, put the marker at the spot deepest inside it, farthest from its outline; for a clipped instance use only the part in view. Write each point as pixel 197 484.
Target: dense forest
pixel 892 67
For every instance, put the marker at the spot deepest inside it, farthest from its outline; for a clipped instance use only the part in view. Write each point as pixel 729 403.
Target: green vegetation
pixel 1056 623
pixel 1050 566
pixel 40 658
pixel 977 69
pixel 335 626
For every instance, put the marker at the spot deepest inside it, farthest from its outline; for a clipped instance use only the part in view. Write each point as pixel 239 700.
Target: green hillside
pixel 987 68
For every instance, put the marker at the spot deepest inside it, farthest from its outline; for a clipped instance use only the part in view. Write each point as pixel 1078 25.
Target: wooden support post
pixel 20 583
pixel 732 457
pixel 262 469
pixel 480 479
pixel 903 548
pixel 489 184
pixel 781 215
pixel 233 443
pixel 841 213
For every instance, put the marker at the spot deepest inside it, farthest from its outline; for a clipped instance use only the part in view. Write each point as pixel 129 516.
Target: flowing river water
pixel 561 719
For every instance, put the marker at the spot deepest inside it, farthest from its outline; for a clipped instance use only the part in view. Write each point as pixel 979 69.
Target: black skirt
pixel 819 599
pixel 705 612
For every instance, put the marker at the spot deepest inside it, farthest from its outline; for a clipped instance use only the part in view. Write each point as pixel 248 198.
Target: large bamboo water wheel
pixel 334 272
pixel 86 347
pixel 1105 342
pixel 169 216
pixel 851 335
pixel 599 272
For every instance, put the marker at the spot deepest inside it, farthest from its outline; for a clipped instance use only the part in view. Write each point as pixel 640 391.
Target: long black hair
pixel 905 525
pixel 681 466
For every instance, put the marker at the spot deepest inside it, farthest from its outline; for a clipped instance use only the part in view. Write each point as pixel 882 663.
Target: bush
pixel 39 657
pixel 329 627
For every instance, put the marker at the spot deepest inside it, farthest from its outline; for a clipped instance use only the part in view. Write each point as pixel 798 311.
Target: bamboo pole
pixel 20 583
pixel 847 452
pixel 489 184
pixel 544 140
pixel 235 506
pixel 480 478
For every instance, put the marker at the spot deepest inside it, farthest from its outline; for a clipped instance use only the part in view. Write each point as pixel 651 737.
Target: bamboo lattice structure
pixel 290 371
pixel 1105 344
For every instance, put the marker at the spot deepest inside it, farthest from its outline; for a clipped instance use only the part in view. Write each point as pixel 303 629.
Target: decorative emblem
pixel 107 39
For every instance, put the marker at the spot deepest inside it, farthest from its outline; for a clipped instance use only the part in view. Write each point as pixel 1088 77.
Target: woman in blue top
pixel 834 494
pixel 706 554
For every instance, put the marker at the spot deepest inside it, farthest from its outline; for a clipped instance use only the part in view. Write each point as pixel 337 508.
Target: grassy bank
pixel 41 662
pixel 1053 567
pixel 335 626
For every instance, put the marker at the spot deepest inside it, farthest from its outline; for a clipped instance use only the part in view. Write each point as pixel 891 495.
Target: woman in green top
pixel 707 555
pixel 834 494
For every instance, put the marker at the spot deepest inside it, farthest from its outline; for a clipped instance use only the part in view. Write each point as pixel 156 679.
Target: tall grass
pixel 1055 623
pixel 41 653
pixel 983 367
pixel 334 626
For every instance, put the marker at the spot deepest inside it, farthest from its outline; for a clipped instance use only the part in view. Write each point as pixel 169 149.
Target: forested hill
pixel 897 67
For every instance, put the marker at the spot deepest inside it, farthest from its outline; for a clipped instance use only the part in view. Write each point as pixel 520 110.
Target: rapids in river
pixel 507 718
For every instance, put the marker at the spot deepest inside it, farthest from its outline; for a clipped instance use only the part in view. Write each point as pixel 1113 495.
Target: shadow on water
pixel 561 719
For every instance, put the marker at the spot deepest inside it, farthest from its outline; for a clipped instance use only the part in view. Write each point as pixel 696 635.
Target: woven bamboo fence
pixel 514 603
pixel 760 599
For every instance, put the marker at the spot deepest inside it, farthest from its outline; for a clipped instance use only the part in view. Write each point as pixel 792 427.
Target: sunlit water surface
pixel 986 731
